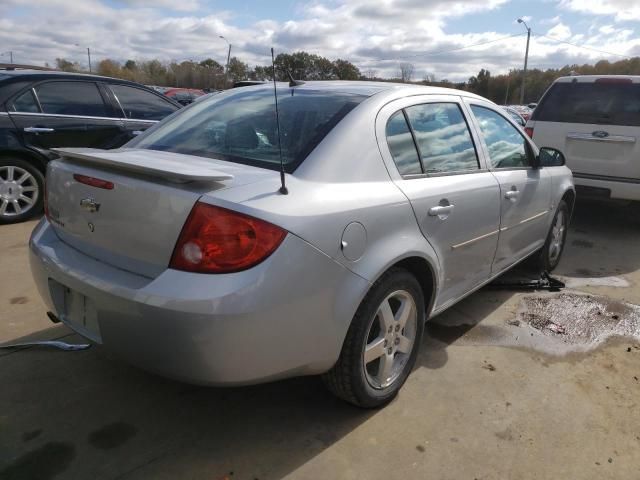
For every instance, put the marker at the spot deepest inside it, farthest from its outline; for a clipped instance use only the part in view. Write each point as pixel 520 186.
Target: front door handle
pixel 135 133
pixel 512 194
pixel 440 210
pixel 39 130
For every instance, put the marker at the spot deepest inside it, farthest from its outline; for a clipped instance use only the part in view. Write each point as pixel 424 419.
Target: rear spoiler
pixel 174 167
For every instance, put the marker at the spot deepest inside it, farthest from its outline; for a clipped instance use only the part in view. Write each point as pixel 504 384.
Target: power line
pixel 440 52
pixel 582 46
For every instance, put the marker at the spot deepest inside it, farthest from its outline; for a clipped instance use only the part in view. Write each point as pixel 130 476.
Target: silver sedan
pixel 182 253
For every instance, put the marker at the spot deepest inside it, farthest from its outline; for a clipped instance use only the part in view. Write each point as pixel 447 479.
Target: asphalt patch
pixel 43 463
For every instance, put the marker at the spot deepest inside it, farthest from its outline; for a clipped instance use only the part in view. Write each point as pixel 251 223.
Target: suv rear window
pixel 596 103
pixel 241 126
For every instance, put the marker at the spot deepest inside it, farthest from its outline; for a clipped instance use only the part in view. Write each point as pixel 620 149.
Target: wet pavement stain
pixel 112 435
pixel 27 436
pixel 43 463
pixel 18 300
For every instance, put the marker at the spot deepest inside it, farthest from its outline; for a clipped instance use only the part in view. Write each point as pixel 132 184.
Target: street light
pixel 10 55
pixel 526 59
pixel 228 55
pixel 88 56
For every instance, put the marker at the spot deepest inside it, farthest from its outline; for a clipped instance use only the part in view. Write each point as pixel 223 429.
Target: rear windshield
pixel 599 103
pixel 241 126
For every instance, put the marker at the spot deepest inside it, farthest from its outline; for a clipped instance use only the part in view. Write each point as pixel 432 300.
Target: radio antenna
pixel 283 188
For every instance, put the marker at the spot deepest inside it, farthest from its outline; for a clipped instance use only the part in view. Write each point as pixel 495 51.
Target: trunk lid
pixel 133 226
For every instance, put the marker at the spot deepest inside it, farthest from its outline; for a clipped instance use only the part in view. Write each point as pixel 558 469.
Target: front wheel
pixel 21 190
pixel 549 255
pixel 382 343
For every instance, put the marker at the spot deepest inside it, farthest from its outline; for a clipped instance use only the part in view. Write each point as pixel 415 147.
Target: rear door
pixel 596 124
pixel 139 108
pixel 65 113
pixel 525 191
pixel 456 200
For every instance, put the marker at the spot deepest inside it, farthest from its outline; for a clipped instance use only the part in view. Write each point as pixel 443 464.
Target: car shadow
pixel 86 414
pixel 601 240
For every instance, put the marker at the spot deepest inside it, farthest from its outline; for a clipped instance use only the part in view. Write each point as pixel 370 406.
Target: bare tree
pixel 406 71
pixel 370 73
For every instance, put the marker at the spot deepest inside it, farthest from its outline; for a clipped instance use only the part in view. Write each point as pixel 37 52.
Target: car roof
pixel 368 89
pixel 27 74
pixel 593 78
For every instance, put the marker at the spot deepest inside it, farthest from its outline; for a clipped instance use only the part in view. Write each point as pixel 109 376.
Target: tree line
pixel 502 89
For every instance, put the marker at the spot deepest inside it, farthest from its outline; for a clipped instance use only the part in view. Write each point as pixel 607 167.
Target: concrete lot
pixel 487 400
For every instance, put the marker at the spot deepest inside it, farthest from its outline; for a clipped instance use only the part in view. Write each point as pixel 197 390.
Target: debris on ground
pixel 514 322
pixel 580 318
pixel 489 366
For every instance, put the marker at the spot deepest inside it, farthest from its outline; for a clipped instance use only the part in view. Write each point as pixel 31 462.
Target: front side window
pixel 507 147
pixel 71 98
pixel 142 105
pixel 26 103
pixel 241 127
pixel 401 145
pixel 443 138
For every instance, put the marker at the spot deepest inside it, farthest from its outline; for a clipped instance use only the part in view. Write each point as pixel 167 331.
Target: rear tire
pixel 21 190
pixel 548 257
pixel 382 342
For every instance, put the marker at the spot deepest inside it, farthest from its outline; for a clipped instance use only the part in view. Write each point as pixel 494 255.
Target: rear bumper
pixel 607 187
pixel 285 317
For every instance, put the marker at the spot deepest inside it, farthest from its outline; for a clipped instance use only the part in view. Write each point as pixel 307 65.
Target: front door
pixel 64 114
pixel 455 199
pixel 525 191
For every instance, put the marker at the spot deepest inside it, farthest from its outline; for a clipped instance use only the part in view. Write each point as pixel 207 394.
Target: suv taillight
pixel 217 240
pixel 529 131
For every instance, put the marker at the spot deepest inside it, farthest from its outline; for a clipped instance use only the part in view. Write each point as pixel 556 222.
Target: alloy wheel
pixel 18 191
pixel 390 339
pixel 557 237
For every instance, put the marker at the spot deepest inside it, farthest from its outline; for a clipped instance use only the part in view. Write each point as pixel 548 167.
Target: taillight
pixel 529 131
pixel 217 240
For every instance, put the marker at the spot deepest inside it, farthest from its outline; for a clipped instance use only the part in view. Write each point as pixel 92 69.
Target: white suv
pixel 595 122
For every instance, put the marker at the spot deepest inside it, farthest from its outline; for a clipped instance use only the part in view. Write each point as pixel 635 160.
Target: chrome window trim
pixel 80 116
pixel 443 174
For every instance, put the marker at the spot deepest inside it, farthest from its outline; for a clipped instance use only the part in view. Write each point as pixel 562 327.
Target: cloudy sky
pixel 437 36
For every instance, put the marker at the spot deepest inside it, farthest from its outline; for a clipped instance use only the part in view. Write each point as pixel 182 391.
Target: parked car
pixel 522 110
pixel 184 96
pixel 181 253
pixel 594 120
pixel 41 110
pixel 515 115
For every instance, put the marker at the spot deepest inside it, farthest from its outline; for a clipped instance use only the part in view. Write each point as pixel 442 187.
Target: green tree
pixel 211 65
pixel 67 66
pixel 238 70
pixel 345 70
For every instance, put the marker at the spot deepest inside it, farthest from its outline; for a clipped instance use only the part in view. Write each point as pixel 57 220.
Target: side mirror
pixel 550 157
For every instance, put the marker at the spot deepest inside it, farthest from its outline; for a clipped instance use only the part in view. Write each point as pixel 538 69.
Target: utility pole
pixel 526 59
pixel 228 58
pixel 89 57
pixel 506 95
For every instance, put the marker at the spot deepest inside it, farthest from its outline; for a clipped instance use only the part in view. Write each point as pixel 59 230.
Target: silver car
pixel 182 254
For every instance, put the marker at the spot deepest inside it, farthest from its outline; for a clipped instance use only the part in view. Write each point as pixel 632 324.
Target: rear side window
pixel 507 147
pixel 401 145
pixel 240 126
pixel 26 103
pixel 443 138
pixel 71 98
pixel 596 103
pixel 140 104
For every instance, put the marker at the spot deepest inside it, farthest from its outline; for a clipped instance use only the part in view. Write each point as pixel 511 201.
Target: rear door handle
pixel 39 130
pixel 440 210
pixel 511 194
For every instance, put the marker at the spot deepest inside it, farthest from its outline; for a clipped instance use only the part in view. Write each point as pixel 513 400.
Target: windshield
pixel 241 127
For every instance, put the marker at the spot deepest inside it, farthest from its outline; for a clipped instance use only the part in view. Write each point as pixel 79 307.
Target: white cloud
pixel 619 9
pixel 373 35
pixel 560 31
